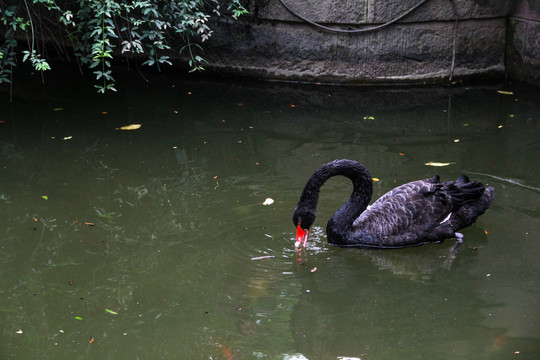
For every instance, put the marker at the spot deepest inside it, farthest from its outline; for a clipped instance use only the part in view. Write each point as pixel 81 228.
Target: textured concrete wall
pixel 272 43
pixel 523 56
pixel 377 11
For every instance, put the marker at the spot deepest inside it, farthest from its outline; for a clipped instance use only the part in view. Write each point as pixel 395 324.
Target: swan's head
pixel 302 219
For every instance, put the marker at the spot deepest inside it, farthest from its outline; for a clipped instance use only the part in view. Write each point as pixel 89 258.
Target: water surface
pixel 155 243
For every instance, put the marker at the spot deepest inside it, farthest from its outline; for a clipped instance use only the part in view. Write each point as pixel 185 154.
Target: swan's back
pixel 418 212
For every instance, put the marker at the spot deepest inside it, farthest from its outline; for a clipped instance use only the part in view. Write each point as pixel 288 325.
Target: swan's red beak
pixel 301 237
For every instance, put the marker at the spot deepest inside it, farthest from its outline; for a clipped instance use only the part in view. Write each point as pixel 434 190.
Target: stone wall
pixel 273 43
pixel 523 52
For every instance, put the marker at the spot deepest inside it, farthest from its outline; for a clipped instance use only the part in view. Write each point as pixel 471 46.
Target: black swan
pixel 416 213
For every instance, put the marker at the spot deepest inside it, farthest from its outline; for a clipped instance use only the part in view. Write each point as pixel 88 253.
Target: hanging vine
pixel 95 28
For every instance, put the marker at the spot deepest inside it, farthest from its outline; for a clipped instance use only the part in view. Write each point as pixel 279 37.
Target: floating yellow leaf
pixel 45 197
pixel 375 179
pixel 505 92
pixel 433 163
pixel 130 127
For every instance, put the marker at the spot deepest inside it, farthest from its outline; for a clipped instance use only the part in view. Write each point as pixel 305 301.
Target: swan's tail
pixel 473 200
pixel 471 190
pixel 463 191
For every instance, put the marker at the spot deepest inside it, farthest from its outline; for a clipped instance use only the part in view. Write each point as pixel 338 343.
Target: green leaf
pixel 111 312
pixel 78 318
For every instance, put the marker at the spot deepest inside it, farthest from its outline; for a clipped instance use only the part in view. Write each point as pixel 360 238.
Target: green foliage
pixel 99 30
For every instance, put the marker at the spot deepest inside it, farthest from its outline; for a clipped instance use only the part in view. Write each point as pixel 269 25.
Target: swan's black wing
pixel 414 213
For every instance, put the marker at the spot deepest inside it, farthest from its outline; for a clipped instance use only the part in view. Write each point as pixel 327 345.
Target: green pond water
pixel 155 244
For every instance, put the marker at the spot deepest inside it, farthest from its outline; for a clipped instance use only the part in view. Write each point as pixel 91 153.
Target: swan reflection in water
pixel 414 263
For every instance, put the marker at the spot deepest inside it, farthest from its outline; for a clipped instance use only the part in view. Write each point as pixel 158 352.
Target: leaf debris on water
pixel 433 163
pixel 268 201
pixel 111 312
pixel 130 127
pixel 502 92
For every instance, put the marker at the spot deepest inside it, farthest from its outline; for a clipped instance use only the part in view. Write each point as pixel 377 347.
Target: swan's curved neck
pixel 355 205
